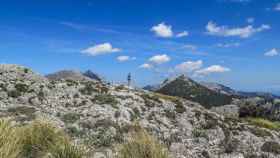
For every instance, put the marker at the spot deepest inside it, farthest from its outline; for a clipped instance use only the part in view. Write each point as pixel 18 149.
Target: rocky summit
pixel 101 116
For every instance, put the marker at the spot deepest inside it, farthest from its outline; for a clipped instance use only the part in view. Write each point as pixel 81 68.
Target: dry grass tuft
pixel 38 139
pixel 142 145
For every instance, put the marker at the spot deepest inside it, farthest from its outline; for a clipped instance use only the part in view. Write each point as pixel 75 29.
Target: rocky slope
pixel 219 88
pixel 101 116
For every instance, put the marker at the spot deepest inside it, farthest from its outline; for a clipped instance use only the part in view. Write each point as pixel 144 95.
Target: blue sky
pixel 234 42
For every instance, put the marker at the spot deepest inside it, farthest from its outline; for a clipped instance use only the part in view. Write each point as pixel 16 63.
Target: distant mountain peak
pixel 92 75
pixel 185 87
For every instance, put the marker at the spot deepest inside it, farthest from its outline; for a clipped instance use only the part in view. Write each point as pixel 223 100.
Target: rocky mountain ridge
pixel 102 116
pixel 187 88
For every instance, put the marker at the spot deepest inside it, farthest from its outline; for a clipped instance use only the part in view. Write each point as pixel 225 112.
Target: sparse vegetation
pixel 142 145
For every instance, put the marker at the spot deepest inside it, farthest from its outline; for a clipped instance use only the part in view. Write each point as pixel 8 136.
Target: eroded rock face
pixel 102 116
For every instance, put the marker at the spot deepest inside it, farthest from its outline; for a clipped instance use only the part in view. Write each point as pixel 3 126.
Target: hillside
pixel 102 116
pixel 187 88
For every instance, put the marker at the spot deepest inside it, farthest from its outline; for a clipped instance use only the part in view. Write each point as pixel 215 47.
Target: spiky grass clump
pixel 10 146
pixel 39 139
pixel 142 145
pixel 67 150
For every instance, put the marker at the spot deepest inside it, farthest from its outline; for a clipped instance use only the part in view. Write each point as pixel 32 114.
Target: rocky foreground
pixel 101 116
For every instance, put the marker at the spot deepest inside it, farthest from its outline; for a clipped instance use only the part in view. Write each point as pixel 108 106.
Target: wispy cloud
pixel 125 58
pixel 87 28
pixel 277 7
pixel 190 46
pixel 251 20
pixel 146 66
pixel 243 32
pixel 273 52
pixel 236 1
pixel 228 45
pixel 182 34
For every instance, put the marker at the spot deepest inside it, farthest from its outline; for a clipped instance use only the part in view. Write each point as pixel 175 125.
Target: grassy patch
pixel 264 123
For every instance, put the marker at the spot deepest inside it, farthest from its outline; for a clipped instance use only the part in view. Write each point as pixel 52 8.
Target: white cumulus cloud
pixel 182 34
pixel 146 66
pixel 159 59
pixel 188 66
pixel 100 49
pixel 162 30
pixel 211 69
pixel 272 52
pixel 243 32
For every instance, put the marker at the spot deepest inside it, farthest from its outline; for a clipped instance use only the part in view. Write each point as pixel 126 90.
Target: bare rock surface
pixel 101 116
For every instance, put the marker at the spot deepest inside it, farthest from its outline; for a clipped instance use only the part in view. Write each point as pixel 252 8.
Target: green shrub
pixel 14 93
pixel 271 147
pixel 88 89
pixel 105 99
pixel 142 145
pixel 198 133
pixel 179 107
pixel 70 117
pixel 151 100
pixel 25 110
pixel 21 87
